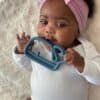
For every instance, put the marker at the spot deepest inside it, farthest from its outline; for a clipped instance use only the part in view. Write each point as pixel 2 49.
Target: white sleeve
pixel 92 70
pixel 22 61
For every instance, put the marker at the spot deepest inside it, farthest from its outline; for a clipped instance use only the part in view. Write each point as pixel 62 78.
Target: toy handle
pixel 39 39
pixel 56 51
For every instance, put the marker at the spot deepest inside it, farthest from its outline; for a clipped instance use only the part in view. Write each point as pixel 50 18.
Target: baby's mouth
pixel 53 40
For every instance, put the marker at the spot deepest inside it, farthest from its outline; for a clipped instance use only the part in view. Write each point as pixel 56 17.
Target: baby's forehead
pixel 57 4
pixel 61 10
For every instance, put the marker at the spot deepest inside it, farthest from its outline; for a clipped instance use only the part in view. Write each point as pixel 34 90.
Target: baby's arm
pixel 88 67
pixel 92 68
pixel 73 57
pixel 18 53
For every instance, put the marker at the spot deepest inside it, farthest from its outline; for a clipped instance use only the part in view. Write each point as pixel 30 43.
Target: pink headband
pixel 79 9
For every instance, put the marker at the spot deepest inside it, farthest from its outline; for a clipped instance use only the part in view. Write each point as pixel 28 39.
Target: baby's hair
pixel 91 5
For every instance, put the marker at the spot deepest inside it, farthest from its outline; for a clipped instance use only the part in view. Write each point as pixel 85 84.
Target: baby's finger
pixel 28 37
pixel 70 50
pixel 23 35
pixel 17 37
pixel 70 60
pixel 67 57
pixel 18 40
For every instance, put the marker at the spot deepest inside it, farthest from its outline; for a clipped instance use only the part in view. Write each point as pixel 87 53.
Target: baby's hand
pixel 74 58
pixel 21 42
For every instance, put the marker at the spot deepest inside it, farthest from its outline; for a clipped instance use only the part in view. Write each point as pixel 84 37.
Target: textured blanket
pixel 17 16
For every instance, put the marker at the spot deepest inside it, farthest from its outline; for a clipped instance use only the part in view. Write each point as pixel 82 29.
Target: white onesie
pixel 66 83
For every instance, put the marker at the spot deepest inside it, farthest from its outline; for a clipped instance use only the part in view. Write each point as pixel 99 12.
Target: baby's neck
pixel 75 43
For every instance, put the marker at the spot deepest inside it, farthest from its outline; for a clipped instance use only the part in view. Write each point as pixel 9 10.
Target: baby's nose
pixel 49 29
pixel 49 32
pixel 48 35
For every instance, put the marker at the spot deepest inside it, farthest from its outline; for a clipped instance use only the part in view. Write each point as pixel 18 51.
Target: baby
pixel 61 22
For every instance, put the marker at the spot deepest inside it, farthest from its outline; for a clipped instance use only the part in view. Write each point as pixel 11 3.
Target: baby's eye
pixel 61 25
pixel 43 22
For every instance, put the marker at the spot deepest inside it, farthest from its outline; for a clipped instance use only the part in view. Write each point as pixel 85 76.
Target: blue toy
pixel 55 49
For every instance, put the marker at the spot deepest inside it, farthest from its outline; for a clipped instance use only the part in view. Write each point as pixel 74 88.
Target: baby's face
pixel 57 23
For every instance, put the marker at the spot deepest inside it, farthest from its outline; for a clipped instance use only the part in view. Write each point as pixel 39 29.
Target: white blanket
pixel 17 16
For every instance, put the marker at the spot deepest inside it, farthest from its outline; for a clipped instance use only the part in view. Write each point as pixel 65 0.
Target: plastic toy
pixel 55 49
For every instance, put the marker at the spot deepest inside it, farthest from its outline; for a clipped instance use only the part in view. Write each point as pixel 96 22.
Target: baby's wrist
pixel 17 51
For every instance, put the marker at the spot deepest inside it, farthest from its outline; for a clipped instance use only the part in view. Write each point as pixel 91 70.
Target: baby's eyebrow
pixel 57 18
pixel 62 18
pixel 43 16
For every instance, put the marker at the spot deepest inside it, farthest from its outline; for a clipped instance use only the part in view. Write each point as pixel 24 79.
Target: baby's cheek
pixel 61 37
pixel 40 29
